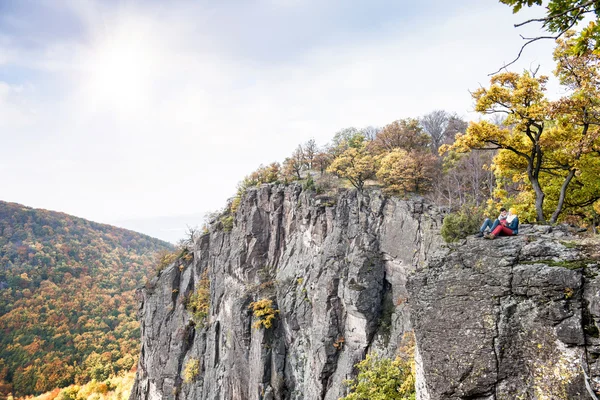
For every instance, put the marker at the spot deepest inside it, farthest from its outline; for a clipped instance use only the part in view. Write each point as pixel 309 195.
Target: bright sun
pixel 120 70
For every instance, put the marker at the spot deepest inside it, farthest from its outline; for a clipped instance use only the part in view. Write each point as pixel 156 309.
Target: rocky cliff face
pixel 336 270
pixel 513 318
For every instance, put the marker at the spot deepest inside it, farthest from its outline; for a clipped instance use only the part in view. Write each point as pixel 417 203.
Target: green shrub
pixel 461 224
pixel 309 183
pixel 227 222
pixel 383 379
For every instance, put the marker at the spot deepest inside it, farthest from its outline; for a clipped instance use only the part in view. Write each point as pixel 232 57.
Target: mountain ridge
pixel 67 298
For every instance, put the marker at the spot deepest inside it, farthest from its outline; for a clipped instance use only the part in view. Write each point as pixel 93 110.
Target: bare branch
pixel 521 52
pixel 531 40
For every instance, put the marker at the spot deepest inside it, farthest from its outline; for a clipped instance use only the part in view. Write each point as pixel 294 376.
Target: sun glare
pixel 121 69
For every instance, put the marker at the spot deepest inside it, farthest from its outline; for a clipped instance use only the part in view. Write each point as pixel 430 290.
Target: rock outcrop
pixel 335 268
pixel 512 318
pixel 351 273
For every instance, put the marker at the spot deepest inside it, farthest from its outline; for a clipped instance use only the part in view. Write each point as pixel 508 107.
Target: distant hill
pixel 67 298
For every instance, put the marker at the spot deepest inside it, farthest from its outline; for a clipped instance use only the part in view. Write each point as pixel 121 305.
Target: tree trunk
pixel 533 172
pixel 561 197
pixel 539 198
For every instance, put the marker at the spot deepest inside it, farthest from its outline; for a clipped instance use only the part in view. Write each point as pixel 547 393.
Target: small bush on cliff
pixel 227 222
pixel 199 302
pixel 382 379
pixel 386 379
pixel 264 311
pixel 191 370
pixel 164 258
pixel 461 224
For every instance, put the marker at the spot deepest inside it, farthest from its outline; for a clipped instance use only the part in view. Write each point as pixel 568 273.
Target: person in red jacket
pixel 507 227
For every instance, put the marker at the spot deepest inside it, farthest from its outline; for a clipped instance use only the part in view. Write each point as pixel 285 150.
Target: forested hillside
pixel 67 298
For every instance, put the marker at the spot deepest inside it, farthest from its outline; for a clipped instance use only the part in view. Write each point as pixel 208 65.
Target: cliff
pixel 512 318
pixel 349 274
pixel 336 269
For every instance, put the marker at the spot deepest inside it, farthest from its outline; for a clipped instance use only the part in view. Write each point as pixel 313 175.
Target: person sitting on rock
pixel 488 223
pixel 507 227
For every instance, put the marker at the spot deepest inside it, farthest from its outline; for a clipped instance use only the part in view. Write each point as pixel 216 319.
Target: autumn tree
pixel 294 165
pixel 310 150
pixel 405 134
pixel 548 145
pixel 575 151
pixel 384 378
pixel 322 161
pixel 521 98
pixel 355 164
pixel 265 174
pixel 404 171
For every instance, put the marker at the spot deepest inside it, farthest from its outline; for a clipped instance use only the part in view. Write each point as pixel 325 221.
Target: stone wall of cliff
pixel 512 318
pixel 350 273
pixel 335 267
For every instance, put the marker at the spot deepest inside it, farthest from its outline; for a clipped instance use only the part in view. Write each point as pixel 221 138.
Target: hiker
pixel 508 227
pixel 488 222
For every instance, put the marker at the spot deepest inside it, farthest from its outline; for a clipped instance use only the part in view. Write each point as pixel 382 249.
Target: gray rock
pixel 335 267
pixel 350 273
pixel 505 319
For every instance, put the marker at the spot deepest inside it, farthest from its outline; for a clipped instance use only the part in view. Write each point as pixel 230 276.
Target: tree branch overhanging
pixel 531 40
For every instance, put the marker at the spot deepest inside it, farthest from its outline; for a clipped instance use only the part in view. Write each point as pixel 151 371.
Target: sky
pixel 146 114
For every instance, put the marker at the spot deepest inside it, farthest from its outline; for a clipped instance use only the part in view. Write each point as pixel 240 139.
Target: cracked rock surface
pixel 512 318
pixel 335 267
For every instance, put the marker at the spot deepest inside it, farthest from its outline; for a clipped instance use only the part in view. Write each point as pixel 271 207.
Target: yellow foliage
pixel 385 379
pixel 164 258
pixel 402 171
pixel 199 302
pixel 115 388
pixel 264 311
pixel 356 165
pixel 191 370
pixel 545 147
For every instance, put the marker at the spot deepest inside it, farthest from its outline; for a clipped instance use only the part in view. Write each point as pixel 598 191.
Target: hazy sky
pixel 146 114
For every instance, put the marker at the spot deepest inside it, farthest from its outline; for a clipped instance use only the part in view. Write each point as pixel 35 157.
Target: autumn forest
pixel 67 298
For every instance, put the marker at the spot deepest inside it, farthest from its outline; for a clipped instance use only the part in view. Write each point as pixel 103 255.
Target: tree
pixel 322 161
pixel 406 134
pixel 577 117
pixel 551 146
pixel 265 174
pixel 402 171
pixel 355 164
pixel 370 132
pixel 521 98
pixel 455 125
pixel 295 164
pixel 435 124
pixel 310 150
pixel 465 179
pixel 345 139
